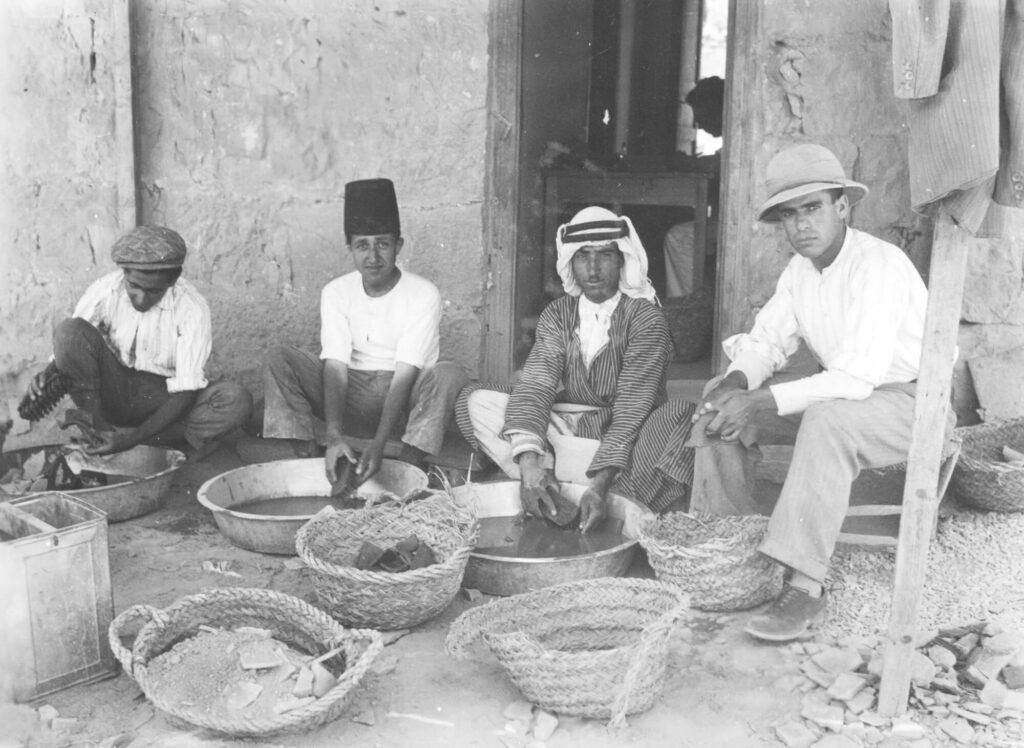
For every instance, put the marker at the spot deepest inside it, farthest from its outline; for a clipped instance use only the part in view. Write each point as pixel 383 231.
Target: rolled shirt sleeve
pixel 192 349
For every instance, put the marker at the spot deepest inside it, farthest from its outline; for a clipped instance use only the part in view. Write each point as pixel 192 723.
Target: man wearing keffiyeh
pixel 591 404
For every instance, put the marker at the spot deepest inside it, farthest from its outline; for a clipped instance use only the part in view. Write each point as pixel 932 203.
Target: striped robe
pixel 641 432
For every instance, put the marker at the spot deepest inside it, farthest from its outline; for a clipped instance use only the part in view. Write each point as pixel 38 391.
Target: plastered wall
pixel 250 117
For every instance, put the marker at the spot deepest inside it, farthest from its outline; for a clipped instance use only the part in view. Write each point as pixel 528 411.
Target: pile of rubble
pixel 967 689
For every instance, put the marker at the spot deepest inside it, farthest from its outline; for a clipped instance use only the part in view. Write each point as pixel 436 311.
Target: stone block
pixel 795 734
pixel 838 659
pixel 1013 676
pixel 519 711
pixel 863 701
pixel 824 715
pixel 970 716
pixel 846 686
pixel 993 694
pixel 958 729
pixel 822 677
pixel 941 656
pixel 922 669
pixel 906 728
pixel 544 725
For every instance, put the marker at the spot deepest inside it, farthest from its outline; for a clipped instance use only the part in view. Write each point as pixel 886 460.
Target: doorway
pixel 602 89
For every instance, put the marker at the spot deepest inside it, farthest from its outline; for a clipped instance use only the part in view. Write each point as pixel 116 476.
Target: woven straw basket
pixel 982 478
pixel 289 619
pixel 379 599
pixel 596 648
pixel 713 559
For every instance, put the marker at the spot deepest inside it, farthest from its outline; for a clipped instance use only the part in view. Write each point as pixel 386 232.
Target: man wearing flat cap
pixel 858 304
pixel 134 351
pixel 378 376
pixel 591 406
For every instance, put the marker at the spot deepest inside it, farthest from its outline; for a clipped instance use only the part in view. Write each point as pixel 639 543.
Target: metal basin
pixel 154 466
pixel 502 575
pixel 283 478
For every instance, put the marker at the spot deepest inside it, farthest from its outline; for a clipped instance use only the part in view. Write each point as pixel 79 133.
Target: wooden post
pixel 124 126
pixel 624 81
pixel 920 499
pixel 501 186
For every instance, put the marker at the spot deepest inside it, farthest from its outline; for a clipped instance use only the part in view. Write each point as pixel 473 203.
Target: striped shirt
pixel 862 318
pixel 172 339
pixel 624 383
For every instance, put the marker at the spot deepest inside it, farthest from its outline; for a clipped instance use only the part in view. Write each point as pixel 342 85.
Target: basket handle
pixel 135 613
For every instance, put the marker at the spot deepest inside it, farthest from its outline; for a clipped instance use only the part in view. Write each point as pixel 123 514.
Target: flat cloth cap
pixel 149 248
pixel 371 208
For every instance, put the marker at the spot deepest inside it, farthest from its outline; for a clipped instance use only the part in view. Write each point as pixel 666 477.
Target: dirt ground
pixel 724 689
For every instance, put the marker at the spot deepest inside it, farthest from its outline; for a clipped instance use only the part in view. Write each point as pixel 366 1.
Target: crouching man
pixel 591 398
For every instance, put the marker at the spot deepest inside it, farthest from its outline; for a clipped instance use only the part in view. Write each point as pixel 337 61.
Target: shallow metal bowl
pixel 503 575
pixel 154 469
pixel 283 478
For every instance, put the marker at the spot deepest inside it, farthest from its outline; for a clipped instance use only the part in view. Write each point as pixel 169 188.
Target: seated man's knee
pixel 276 359
pixel 69 332
pixel 825 417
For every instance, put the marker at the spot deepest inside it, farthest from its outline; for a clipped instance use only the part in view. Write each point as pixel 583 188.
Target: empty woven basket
pixel 329 544
pixel 713 559
pixel 596 648
pixel 982 478
pixel 289 620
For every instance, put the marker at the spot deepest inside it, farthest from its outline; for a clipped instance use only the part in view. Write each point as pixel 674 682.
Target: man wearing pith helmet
pixel 378 376
pixel 134 351
pixel 858 304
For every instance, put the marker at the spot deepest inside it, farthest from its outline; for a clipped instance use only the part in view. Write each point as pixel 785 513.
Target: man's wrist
pixel 736 377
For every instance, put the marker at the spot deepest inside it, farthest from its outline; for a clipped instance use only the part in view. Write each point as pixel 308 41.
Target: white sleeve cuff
pixel 183 383
pixel 753 367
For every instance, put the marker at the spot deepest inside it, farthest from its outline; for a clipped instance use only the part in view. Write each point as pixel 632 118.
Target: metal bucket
pixel 502 575
pixel 283 478
pixel 154 466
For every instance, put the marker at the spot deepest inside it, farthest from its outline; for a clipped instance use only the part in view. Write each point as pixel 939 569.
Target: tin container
pixel 55 588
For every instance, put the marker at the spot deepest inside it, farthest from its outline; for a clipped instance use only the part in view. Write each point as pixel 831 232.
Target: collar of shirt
pixel 595 323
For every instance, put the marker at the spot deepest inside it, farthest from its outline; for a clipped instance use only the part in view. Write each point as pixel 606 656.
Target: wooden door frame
pixel 501 188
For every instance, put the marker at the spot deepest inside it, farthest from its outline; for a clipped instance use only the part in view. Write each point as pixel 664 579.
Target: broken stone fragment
pixel 240 695
pixel 993 694
pixel 978 719
pixel 259 655
pixel 1013 675
pixel 922 669
pixel 47 714
pixel 365 716
pixel 907 729
pixel 941 656
pixel 874 719
pixel 384 664
pixel 323 679
pixel 838 659
pixel 846 686
pixel 544 725
pixel 958 729
pixel 471 594
pixel 863 701
pixel 519 711
pixel 795 734
pixel 974 676
pixel 789 683
pixel 817 674
pixel 303 683
pixel 966 643
pixel 824 715
pixel 253 631
pixel 62 724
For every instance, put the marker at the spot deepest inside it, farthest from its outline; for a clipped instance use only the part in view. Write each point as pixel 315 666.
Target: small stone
pixel 907 729
pixel 966 643
pixel 471 594
pixel 303 683
pixel 829 717
pixel 875 664
pixel 794 734
pixel 796 648
pixel 993 694
pixel 323 680
pixel 973 676
pixel 519 711
pixel 294 563
pixel 365 716
pixel 873 736
pixel 945 698
pixel 838 660
pixel 957 729
pixel 253 631
pixel 922 669
pixel 978 719
pixel 874 719
pixel 924 638
pixel 863 701
pixel 62 724
pixel 941 656
pixel 1013 676
pixel 258 655
pixel 812 648
pixel 240 695
pixel 977 706
pixel 946 685
pixel 384 664
pixel 47 714
pixel 846 686
pixel 939 711
pixel 544 725
pixel 993 628
pixel 817 674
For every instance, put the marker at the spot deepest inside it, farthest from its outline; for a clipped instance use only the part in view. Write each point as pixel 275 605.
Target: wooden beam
pixel 744 133
pixel 624 80
pixel 920 492
pixel 124 125
pixel 501 187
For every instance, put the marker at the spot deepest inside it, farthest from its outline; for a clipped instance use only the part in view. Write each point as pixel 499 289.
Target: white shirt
pixel 373 333
pixel 173 338
pixel 595 322
pixel 862 318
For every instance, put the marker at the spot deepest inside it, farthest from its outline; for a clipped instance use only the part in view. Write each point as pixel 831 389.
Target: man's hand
pixel 112 441
pixel 536 481
pixel 369 462
pixel 593 510
pixel 337 450
pixel 736 409
pixel 711 403
pixel 35 385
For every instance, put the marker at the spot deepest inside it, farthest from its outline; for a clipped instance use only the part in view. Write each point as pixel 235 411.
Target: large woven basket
pixel 289 619
pixel 713 559
pixel 982 478
pixel 596 648
pixel 329 544
pixel 690 322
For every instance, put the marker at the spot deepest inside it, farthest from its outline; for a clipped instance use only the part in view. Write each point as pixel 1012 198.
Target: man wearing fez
pixel 591 404
pixel 378 375
pixel 132 355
